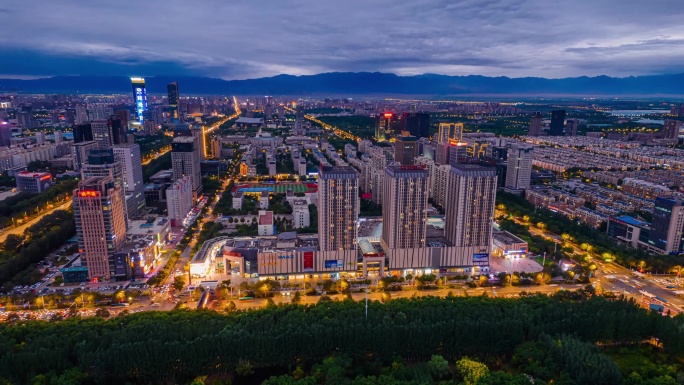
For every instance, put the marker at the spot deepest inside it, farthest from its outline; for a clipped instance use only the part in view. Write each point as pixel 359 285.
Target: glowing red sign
pixel 387 115
pixel 88 194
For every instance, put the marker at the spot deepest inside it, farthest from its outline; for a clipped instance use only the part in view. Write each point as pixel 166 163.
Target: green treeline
pixel 22 204
pixel 161 163
pixel 174 347
pixel 558 224
pixel 20 252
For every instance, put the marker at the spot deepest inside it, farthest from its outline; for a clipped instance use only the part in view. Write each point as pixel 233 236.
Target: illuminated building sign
pixel 387 115
pixel 454 142
pixel 333 263
pixel 88 194
pixel 481 259
pixel 308 261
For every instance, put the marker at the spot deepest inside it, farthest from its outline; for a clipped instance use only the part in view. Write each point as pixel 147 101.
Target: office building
pixel 198 132
pixel 81 152
pixel 449 132
pixel 384 126
pixel 117 130
pixel 172 89
pixel 101 163
pixel 404 211
pixel 33 182
pixel 338 201
pixel 557 123
pixel 667 226
pixel 416 124
pixel 102 134
pixel 83 133
pixel 179 200
pixel 185 161
pixel 131 167
pixel 671 129
pixel 571 126
pixel 470 206
pixel 535 124
pixel 406 150
pixel 5 134
pixel 100 223
pixel 139 97
pixel 519 169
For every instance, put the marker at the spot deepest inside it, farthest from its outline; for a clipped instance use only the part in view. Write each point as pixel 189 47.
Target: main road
pixel 21 228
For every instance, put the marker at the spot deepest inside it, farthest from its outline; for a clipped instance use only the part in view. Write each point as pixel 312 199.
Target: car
pixel 155 304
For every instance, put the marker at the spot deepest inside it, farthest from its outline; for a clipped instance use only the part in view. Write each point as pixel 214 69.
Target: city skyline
pixel 494 38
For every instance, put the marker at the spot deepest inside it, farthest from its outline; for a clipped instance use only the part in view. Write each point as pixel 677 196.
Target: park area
pixel 280 188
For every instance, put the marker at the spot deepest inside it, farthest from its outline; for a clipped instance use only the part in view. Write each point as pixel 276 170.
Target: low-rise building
pixel 33 182
pixel 507 245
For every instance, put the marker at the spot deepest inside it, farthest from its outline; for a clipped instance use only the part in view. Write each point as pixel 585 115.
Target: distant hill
pixel 362 83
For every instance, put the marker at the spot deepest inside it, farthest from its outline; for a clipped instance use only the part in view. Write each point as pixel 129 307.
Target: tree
pixel 385 297
pixel 541 226
pixel 178 283
pixel 526 219
pixel 471 371
pixel 438 367
pixel 297 297
pixel 231 307
pixel 102 313
pixel 244 368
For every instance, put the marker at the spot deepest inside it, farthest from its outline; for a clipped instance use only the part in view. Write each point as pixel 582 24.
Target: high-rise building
pixel 571 126
pixel 5 134
pixel 535 124
pixel 198 132
pixel 117 130
pixel 671 128
pixel 557 123
pixel 450 132
pixel 338 200
pixel 139 97
pixel 470 205
pixel 519 168
pixel 185 161
pixel 70 116
pixel 179 200
pixel 416 124
pixel 101 163
pixel 131 167
pixel 404 213
pixel 384 126
pixel 83 132
pixel 100 223
pixel 172 89
pixel 406 150
pixel 40 137
pixel 81 152
pixel 81 114
pixel 58 137
pixel 667 227
pixel 101 133
pixel 100 113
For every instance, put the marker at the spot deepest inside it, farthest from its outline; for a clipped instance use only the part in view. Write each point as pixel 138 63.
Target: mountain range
pixel 363 83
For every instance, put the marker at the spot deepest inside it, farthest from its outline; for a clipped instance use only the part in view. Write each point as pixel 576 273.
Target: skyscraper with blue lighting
pixel 140 97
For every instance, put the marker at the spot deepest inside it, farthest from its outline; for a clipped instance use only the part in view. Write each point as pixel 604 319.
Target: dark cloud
pixel 246 39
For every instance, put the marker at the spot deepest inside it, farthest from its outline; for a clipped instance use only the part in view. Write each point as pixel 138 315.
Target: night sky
pixel 235 39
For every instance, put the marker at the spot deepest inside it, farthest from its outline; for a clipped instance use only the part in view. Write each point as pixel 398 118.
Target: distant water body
pixel 635 113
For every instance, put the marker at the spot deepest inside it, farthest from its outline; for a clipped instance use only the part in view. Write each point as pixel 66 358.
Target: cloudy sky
pixel 236 39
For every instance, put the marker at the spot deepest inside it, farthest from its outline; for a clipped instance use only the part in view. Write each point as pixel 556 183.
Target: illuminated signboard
pixel 333 263
pixel 88 194
pixel 481 259
pixel 387 115
pixel 454 142
pixel 308 261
